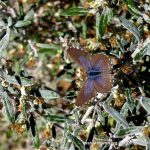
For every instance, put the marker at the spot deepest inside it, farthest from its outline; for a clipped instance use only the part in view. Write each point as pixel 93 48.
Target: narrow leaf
pixel 4 43
pixel 77 142
pixel 36 139
pixel 29 15
pixel 132 8
pixel 86 115
pixel 131 27
pixel 129 99
pixel 102 21
pixel 2 23
pixel 124 113
pixel 145 102
pixel 22 23
pixel 129 131
pixel 140 52
pixel 48 94
pixel 18 80
pixel 146 18
pixel 48 46
pixel 8 107
pixel 52 49
pixel 55 118
pixel 9 20
pixel 111 111
pixel 120 43
pixel 78 11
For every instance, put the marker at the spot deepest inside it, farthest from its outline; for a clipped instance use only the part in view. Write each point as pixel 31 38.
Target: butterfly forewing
pixel 100 62
pixel 80 57
pixel 86 93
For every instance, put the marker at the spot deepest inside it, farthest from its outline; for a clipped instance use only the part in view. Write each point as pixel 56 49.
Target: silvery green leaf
pixel 2 23
pixel 140 52
pixel 126 142
pixel 1 88
pixel 77 11
pixel 124 110
pixel 48 94
pixel 22 23
pixel 129 100
pixel 8 107
pixel 13 34
pixel 121 43
pixel 29 15
pixel 101 117
pixel 78 143
pixel 129 131
pixel 119 118
pixel 132 7
pixel 18 80
pixel 124 113
pixel 12 90
pixel 36 139
pixel 55 118
pixel 9 21
pixel 3 4
pixel 145 102
pixel 146 18
pixel 133 44
pixel 86 115
pixel 148 146
pixel 65 144
pixel 48 46
pixel 134 10
pixel 102 21
pixel 141 142
pixel 131 27
pixel 4 43
pixel 52 49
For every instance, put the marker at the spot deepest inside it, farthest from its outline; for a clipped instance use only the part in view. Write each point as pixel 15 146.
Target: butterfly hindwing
pixel 86 93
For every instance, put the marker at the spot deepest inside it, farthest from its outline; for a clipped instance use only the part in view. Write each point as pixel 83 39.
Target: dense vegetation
pixel 39 82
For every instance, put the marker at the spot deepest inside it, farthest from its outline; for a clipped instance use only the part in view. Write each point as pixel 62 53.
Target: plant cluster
pixel 39 81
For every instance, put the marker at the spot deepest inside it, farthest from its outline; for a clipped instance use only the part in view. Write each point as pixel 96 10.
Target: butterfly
pixel 98 69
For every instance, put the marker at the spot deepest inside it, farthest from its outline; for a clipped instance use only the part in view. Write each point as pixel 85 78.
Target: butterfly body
pixel 93 73
pixel 98 74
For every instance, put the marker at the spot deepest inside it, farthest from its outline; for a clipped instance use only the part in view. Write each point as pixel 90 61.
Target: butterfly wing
pixel 86 93
pixel 102 83
pixel 100 62
pixel 80 57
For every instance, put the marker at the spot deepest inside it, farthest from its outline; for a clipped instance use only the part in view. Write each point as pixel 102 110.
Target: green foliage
pixel 55 118
pixel 39 82
pixel 4 43
pixel 102 21
pixel 10 114
pixel 111 111
pixel 78 143
pixel 131 28
pixel 75 12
